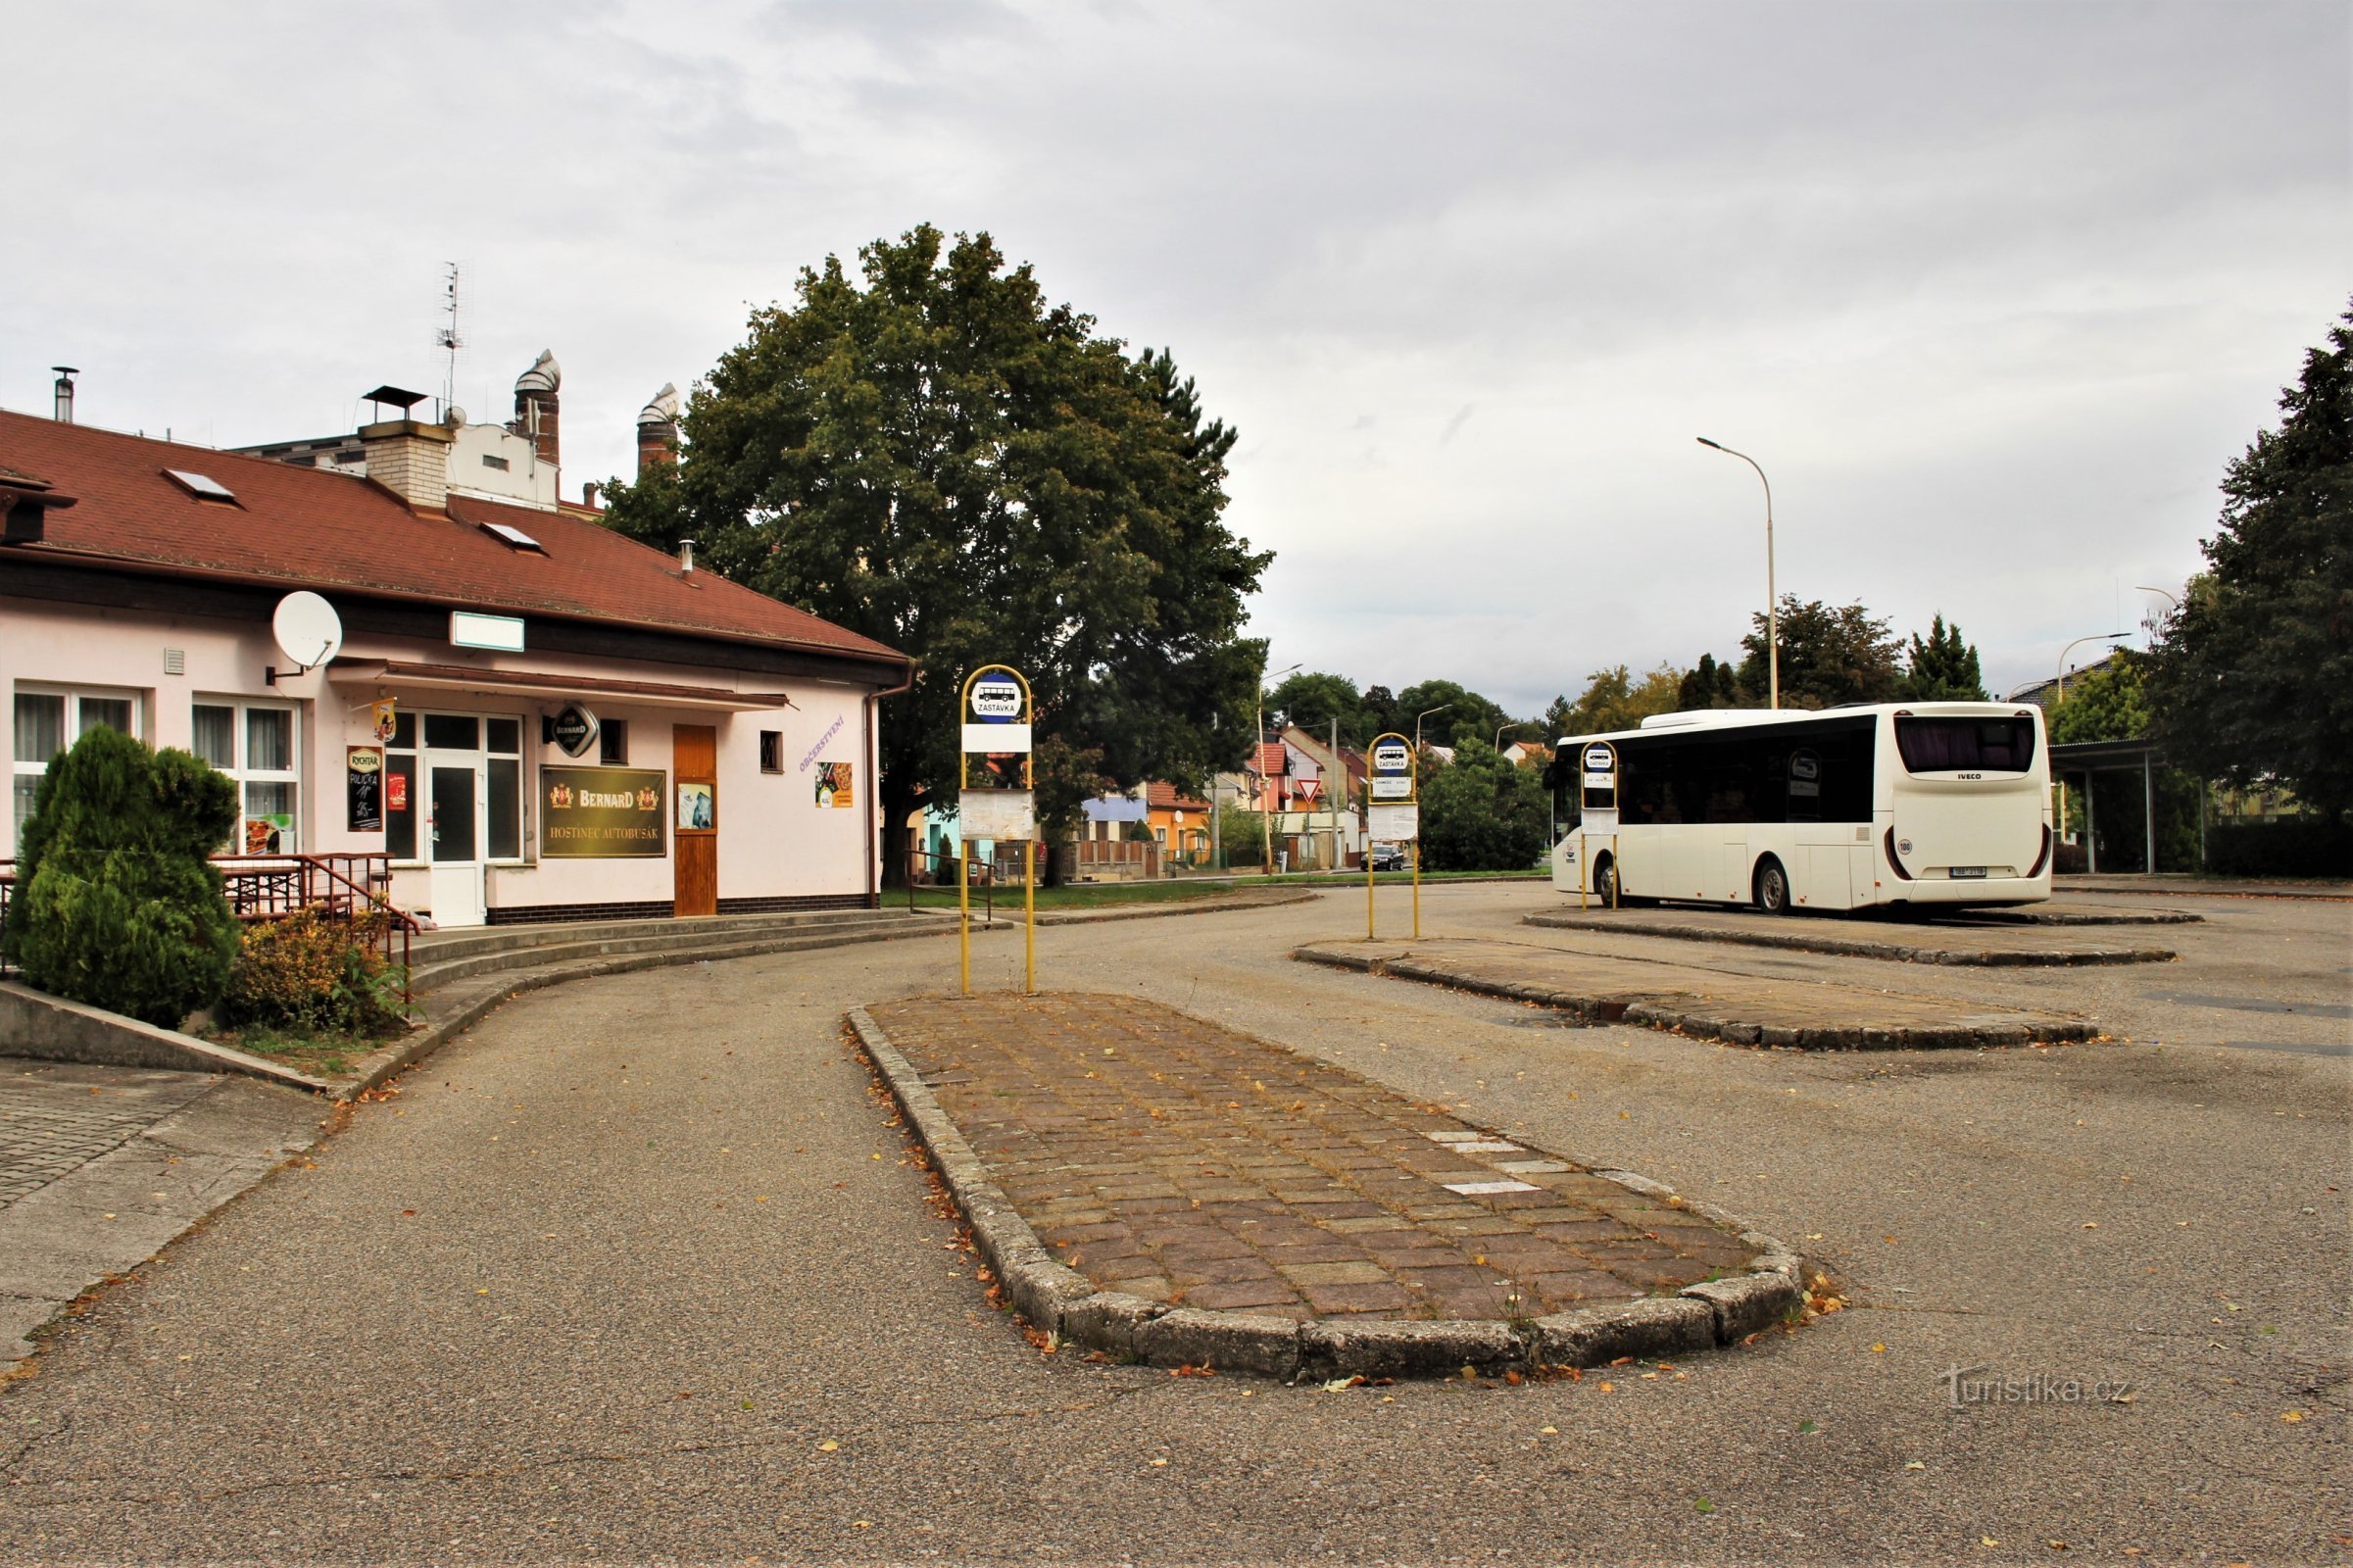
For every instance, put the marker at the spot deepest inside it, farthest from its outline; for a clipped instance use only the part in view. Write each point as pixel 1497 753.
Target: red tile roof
pixel 1161 797
pixel 319 530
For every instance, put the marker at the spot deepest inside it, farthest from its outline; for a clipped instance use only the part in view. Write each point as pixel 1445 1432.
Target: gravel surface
pixel 535 1307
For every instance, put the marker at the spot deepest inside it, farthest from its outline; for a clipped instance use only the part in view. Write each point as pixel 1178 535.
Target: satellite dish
pixel 454 418
pixel 307 630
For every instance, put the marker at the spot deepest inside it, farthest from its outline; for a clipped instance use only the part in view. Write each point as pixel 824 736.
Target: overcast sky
pixel 1992 291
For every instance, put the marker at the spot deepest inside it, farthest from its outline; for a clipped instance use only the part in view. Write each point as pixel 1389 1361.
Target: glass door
pixel 454 788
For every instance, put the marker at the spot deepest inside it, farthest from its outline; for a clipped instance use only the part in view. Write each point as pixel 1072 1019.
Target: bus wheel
pixel 1772 887
pixel 1605 880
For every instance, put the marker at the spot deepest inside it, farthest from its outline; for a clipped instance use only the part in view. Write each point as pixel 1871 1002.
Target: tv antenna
pixel 448 338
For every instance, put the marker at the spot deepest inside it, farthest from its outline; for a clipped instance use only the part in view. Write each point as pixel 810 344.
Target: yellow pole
pixel 1368 887
pixel 1417 889
pixel 1029 915
pixel 963 912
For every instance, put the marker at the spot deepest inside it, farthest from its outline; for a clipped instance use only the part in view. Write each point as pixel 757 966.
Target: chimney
pixel 657 431
pixel 411 459
pixel 588 492
pixel 536 407
pixel 64 392
pixel 686 555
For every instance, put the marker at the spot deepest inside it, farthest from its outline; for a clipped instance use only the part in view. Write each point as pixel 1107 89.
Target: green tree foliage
pixel 932 455
pixel 1827 656
pixel 1379 711
pixel 1708 684
pixel 1481 813
pixel 117 903
pixel 2108 702
pixel 1615 699
pixel 1313 698
pixel 1560 718
pixel 1468 713
pixel 1942 668
pixel 2254 674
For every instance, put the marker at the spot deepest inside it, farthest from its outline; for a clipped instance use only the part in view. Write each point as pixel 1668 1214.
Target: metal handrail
pixel 268 887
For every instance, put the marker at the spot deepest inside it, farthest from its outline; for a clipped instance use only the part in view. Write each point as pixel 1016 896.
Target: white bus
pixel 1937 804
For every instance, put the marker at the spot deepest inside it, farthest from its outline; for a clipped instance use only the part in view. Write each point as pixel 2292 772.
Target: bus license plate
pixel 1960 871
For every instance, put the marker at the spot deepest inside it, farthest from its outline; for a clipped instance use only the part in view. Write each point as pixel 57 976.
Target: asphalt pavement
pixel 642 1269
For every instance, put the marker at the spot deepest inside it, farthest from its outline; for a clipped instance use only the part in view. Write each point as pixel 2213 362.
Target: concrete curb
pixel 1632 1008
pixel 46 1028
pixel 381 1064
pixel 1849 946
pixel 1062 1303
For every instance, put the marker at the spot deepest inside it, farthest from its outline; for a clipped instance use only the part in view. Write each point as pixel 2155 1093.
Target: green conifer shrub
pixel 117 903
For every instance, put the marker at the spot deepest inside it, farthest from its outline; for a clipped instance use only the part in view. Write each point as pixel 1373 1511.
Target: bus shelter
pixel 2129 766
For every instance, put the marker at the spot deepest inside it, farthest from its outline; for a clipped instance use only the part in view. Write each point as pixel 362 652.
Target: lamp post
pixel 1417 724
pixel 1266 824
pixel 2058 695
pixel 1772 594
pixel 1507 729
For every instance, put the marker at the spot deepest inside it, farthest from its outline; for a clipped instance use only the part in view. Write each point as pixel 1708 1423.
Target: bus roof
pixel 1734 718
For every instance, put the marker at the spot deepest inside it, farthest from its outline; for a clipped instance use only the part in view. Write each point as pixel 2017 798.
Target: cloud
pixel 1993 292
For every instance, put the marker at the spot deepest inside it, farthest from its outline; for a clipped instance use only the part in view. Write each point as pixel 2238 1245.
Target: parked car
pixel 1389 857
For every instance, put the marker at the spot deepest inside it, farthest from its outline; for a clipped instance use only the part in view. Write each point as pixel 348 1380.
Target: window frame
pixel 417 749
pixel 246 775
pixel 70 730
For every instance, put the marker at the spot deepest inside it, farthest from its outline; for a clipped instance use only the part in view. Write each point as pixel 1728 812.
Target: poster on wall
pixel 833 785
pixel 363 789
pixel 602 813
pixel 697 807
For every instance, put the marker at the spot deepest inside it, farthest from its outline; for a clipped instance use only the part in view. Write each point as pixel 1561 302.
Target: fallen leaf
pixel 828 1446
pixel 2291 1416
pixel 1609 1388
pixel 1552 1431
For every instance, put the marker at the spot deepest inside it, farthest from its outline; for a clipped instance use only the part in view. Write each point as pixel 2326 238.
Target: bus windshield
pixel 1965 745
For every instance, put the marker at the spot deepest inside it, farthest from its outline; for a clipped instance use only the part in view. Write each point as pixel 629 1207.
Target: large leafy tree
pixel 1942 668
pixel 1481 813
pixel 1465 714
pixel 2254 675
pixel 931 453
pixel 1313 698
pixel 1828 654
pixel 1615 699
pixel 1708 684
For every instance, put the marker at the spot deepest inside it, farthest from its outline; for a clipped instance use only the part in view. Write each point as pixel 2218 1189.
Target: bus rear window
pixel 1965 745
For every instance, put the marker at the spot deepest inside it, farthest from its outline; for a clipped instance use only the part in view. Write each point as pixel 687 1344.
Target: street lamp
pixel 2059 695
pixel 1517 723
pixel 1772 598
pixel 1417 724
pixel 1266 825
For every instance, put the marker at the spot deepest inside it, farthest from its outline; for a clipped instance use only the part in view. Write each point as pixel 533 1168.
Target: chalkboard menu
pixel 363 787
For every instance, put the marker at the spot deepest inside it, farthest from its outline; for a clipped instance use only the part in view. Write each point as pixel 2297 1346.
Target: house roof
pixel 314 528
pixel 1168 797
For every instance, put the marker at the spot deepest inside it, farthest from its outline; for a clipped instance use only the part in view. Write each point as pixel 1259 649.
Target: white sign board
pixel 503 633
pixel 996 738
pixel 996 698
pixel 1392 787
pixel 1392 824
pixel 1001 815
pixel 1391 758
pixel 1600 759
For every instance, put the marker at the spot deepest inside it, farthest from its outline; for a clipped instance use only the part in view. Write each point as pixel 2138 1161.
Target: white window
pixel 464 785
pixel 255 744
pixel 50 719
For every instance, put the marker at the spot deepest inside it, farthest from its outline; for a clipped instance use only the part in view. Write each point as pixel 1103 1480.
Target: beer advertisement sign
pixel 602 813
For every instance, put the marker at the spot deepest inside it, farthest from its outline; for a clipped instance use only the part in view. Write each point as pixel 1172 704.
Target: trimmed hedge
pixel 117 903
pixel 2294 846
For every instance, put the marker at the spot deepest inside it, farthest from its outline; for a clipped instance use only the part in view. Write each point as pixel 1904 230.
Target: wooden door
pixel 695 827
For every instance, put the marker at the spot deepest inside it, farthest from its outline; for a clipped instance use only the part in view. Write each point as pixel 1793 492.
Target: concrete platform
pixel 1711 1005
pixel 1954 942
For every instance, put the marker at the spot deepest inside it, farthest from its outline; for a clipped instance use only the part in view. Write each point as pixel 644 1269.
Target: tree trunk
pixel 898 804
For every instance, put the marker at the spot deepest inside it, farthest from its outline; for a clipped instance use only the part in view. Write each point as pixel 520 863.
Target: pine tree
pixel 1708 684
pixel 1943 668
pixel 117 903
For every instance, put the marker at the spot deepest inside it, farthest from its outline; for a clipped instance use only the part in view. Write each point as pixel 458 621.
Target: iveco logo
pixel 1972 775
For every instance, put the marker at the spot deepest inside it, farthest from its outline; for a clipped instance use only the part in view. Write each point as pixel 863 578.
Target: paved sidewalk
pixel 102 1167
pixel 1171 1160
pixel 1708 1003
pixel 1977 944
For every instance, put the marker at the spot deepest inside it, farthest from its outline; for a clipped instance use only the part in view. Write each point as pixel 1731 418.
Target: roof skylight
pixel 514 537
pixel 201 485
